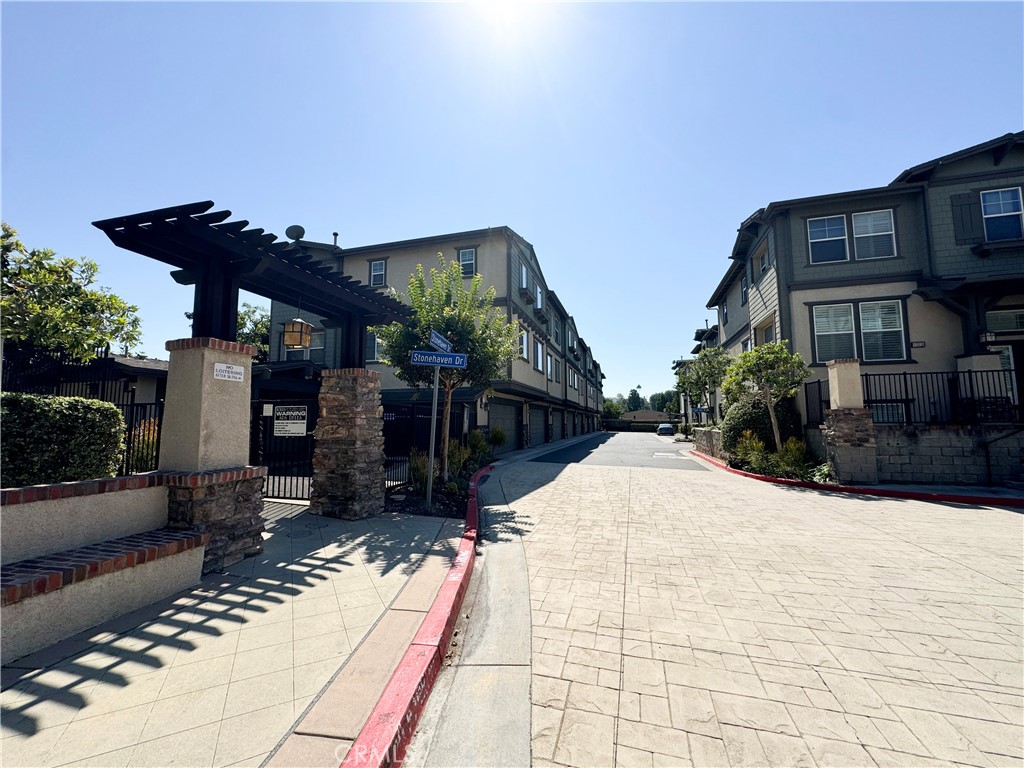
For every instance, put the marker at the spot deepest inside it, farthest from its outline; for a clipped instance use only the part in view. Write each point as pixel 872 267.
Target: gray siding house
pixel 923 275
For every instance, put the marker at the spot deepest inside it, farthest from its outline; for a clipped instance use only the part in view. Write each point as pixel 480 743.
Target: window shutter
pixel 968 227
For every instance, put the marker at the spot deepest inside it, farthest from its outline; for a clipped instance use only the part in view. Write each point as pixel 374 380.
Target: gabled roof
pixel 999 148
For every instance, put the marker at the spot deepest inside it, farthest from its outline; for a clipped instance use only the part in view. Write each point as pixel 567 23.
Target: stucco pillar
pixel 348 455
pixel 986 361
pixel 206 411
pixel 844 386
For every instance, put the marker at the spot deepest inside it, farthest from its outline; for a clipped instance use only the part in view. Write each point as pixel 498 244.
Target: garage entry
pixel 538 425
pixel 505 416
pixel 557 433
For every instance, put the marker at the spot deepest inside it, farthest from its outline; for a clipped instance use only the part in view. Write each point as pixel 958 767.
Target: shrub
pixel 792 461
pixel 824 474
pixel 458 455
pixel 496 438
pixel 751 414
pixel 749 454
pixel 49 439
pixel 477 443
pixel 419 468
pixel 143 455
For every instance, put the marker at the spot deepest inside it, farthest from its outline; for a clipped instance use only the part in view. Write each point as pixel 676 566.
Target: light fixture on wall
pixel 298 333
pixel 987 337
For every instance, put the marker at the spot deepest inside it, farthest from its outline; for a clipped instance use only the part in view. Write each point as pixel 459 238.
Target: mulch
pixel 442 503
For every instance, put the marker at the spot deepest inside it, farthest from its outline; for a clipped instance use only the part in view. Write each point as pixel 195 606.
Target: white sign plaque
pixel 290 421
pixel 228 372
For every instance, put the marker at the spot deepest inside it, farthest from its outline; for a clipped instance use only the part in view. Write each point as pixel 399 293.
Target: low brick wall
pixel 947 454
pixel 709 442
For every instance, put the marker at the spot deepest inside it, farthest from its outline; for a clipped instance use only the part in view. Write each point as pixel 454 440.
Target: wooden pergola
pixel 221 257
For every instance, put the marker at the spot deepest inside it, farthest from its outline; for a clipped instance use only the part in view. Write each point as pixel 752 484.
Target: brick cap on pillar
pixel 350 372
pixel 841 361
pixel 207 342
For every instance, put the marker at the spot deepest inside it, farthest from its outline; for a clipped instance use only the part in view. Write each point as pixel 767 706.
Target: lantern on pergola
pixel 298 333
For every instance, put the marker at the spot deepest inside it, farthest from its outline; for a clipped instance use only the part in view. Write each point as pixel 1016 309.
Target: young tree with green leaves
pixel 635 401
pixel 612 408
pixel 458 309
pixel 254 329
pixel 699 378
pixel 772 373
pixel 52 303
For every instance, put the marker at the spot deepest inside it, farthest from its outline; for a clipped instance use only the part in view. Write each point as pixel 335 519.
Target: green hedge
pixel 48 439
pixel 752 414
pixel 624 425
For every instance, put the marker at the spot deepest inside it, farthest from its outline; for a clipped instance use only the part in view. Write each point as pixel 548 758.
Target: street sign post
pixel 440 359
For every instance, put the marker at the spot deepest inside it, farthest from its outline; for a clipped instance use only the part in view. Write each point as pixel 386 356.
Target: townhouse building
pixel 552 390
pixel 921 280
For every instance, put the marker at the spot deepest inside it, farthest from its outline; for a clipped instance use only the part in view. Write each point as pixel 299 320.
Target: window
pixel 538 355
pixel 1001 211
pixel 540 297
pixel 467 258
pixel 524 345
pixel 374 349
pixel 377 274
pixel 725 313
pixel 746 345
pixel 768 334
pixel 1005 320
pixel 888 413
pixel 315 353
pixel 827 238
pixel 523 277
pixel 558 336
pixel 558 371
pixel 873 235
pixel 744 290
pixel 833 333
pixel 881 324
pixel 549 368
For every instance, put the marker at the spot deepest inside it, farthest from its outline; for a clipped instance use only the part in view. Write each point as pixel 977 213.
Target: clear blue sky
pixel 625 141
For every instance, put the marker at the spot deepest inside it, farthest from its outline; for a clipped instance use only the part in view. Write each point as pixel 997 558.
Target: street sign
pixel 442 359
pixel 439 342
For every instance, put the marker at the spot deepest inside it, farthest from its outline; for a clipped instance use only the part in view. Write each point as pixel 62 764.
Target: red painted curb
pixel 952 498
pixel 389 729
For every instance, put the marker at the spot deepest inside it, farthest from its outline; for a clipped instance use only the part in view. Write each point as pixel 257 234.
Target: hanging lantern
pixel 297 334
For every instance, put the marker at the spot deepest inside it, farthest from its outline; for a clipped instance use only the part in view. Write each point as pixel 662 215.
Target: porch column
pixel 348 454
pixel 849 433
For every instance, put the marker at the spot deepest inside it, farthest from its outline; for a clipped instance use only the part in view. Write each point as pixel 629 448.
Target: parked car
pixel 666 429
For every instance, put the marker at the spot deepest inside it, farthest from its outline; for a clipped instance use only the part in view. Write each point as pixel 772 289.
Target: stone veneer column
pixel 849 433
pixel 348 455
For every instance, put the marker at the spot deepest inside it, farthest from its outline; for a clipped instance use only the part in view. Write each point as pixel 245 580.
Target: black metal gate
pixel 281 439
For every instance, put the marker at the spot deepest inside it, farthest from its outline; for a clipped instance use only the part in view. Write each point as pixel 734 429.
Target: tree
pixel 612 408
pixel 772 373
pixel 634 402
pixel 254 329
pixel 699 378
pixel 667 401
pixel 463 315
pixel 50 302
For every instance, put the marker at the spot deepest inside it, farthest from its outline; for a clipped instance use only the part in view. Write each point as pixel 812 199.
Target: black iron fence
pixel 944 397
pixel 141 437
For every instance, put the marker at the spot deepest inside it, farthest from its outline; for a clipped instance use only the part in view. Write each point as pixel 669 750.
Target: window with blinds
pixel 1002 212
pixel 881 324
pixel 873 235
pixel 834 333
pixel 827 239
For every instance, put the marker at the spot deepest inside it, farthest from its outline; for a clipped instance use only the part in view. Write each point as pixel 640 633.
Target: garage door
pixel 556 425
pixel 538 425
pixel 507 418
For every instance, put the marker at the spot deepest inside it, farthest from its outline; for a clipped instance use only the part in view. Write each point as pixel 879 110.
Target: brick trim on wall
pixel 11 496
pixel 207 342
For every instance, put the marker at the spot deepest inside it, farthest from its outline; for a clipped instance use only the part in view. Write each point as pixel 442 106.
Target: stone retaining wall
pixel 709 442
pixel 947 454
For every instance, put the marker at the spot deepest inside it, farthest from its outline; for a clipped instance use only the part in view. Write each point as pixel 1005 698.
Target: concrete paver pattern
pixel 700 618
pixel 218 675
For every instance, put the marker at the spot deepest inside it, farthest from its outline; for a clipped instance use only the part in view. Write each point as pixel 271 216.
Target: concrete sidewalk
pixel 219 675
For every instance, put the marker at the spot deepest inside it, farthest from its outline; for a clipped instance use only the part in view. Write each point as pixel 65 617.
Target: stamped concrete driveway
pixel 686 616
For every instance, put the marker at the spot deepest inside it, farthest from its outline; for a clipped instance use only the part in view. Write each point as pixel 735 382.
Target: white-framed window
pixel 467 260
pixel 746 345
pixel 826 237
pixel 524 345
pixel 1002 213
pixel 1004 320
pixel 834 332
pixel 315 353
pixel 874 236
pixel 725 312
pixel 768 334
pixel 549 368
pixel 377 273
pixel 881 330
pixel 538 355
pixel 374 348
pixel 540 297
pixel 524 276
pixel 744 289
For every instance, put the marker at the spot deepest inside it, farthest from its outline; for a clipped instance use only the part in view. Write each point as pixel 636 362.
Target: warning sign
pixel 290 421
